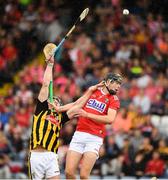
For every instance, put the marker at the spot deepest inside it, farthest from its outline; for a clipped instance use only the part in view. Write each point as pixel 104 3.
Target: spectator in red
pixel 24 94
pixel 155 166
pixel 2 62
pixel 10 52
pixel 23 117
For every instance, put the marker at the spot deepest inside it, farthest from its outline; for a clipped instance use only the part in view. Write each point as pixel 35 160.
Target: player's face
pixel 115 86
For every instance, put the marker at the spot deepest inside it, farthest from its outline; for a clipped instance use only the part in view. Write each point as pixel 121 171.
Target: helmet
pixel 114 77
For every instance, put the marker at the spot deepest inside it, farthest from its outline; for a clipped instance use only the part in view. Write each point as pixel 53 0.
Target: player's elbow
pixel 45 84
pixel 110 120
pixel 72 111
pixel 69 114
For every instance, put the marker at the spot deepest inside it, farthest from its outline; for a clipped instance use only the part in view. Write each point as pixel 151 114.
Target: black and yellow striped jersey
pixel 46 127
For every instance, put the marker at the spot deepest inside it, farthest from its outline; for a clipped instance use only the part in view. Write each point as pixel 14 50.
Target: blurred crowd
pixel 135 46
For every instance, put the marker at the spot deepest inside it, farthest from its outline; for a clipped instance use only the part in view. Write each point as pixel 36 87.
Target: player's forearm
pixel 43 95
pixel 64 107
pixel 105 119
pixel 82 100
pixel 72 111
pixel 77 104
pixel 48 74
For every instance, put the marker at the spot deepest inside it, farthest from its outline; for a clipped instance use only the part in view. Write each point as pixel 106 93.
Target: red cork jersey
pixel 98 104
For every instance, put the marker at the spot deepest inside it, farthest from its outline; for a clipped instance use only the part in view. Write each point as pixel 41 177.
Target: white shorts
pixel 84 142
pixel 44 165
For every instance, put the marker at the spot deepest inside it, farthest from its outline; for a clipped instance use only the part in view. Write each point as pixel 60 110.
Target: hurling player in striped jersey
pixel 46 126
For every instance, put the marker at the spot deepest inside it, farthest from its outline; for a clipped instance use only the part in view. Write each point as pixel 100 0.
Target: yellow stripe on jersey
pixel 55 149
pixel 58 134
pixel 59 127
pixel 34 130
pixel 41 127
pixel 55 135
pixel 47 134
pixel 59 119
pixel 29 167
pixel 52 139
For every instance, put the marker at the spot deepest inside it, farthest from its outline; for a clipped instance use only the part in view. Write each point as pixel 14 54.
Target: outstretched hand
pixel 52 105
pixel 50 60
pixel 80 112
pixel 48 51
pixel 95 87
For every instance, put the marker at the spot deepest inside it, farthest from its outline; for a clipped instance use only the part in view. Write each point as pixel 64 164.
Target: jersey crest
pixel 52 119
pixel 106 100
pixel 115 98
pixel 96 105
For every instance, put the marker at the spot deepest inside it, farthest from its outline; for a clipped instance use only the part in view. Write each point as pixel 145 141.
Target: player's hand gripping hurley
pixel 51 49
pixel 49 56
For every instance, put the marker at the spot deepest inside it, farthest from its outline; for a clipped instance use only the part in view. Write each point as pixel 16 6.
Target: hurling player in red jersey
pixel 99 110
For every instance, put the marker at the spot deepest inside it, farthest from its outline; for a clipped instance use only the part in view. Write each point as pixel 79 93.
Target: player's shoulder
pixel 96 92
pixel 41 106
pixel 114 102
pixel 114 97
pixel 41 103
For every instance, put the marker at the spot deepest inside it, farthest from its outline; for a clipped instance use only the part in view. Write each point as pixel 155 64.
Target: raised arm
pixel 79 103
pixel 44 92
pixel 82 100
pixel 62 108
